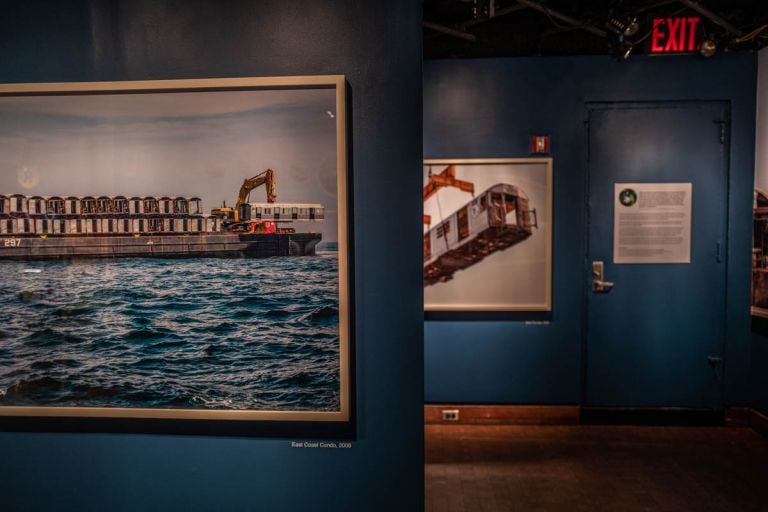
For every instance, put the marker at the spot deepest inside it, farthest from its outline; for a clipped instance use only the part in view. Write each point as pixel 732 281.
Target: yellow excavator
pixel 266 178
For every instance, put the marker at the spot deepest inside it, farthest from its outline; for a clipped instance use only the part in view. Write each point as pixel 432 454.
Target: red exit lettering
pixel 672 35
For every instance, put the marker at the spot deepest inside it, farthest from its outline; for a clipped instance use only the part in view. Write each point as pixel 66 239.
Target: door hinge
pixel 723 126
pixel 716 363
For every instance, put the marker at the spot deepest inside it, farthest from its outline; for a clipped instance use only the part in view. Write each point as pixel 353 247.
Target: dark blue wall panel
pixel 377 45
pixel 490 108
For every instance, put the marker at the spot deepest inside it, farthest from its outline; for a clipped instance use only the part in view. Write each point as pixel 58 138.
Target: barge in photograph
pixel 38 227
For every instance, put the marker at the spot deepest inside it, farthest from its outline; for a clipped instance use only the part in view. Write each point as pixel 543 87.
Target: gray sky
pixel 512 276
pixel 176 144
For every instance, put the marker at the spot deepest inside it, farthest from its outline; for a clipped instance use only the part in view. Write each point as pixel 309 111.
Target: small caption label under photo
pixel 320 444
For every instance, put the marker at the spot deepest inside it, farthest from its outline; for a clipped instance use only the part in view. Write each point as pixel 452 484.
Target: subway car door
pixel 655 329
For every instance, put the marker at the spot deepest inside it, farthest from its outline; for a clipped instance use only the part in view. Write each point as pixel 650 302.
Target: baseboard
pixel 575 415
pixel 652 417
pixel 747 417
pixel 503 414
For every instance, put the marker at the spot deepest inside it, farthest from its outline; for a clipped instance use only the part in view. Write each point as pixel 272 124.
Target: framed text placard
pixel 652 222
pixel 175 250
pixel 487 234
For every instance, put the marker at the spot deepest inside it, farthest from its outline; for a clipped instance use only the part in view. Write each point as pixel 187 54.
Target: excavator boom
pixel 266 178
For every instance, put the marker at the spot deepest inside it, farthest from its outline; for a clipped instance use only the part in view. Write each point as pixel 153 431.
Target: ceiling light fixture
pixel 632 27
pixel 622 50
pixel 708 48
pixel 623 26
pixel 626 50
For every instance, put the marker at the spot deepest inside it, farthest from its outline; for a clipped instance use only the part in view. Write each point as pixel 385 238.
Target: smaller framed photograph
pixel 488 234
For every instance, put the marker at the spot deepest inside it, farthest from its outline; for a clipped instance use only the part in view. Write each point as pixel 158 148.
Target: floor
pixel 595 468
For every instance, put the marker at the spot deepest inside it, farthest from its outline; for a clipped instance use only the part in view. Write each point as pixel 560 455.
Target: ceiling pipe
pixel 562 17
pixel 471 23
pixel 461 34
pixel 498 12
pixel 696 6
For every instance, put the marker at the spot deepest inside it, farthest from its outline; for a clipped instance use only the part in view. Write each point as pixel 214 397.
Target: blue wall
pixel 490 108
pixel 377 45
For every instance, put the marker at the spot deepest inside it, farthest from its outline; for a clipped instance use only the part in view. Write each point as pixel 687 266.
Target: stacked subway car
pixel 36 215
pixel 36 227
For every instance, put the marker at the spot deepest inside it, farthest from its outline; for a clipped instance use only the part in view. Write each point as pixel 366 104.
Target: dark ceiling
pixel 505 28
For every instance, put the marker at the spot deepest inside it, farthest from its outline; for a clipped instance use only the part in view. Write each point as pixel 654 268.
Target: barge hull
pixel 158 246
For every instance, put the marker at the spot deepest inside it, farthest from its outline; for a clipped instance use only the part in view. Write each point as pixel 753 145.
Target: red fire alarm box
pixel 540 144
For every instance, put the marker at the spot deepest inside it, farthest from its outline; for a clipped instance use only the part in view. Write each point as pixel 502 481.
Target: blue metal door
pixel 656 338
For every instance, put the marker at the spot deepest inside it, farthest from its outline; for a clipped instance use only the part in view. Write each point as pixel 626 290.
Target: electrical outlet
pixel 450 415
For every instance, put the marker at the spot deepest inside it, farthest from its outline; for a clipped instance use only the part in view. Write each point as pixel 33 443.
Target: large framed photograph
pixel 488 234
pixel 175 250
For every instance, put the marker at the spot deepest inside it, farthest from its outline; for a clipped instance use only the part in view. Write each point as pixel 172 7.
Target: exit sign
pixel 675 35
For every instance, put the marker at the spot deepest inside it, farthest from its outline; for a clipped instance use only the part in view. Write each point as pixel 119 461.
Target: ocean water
pixel 196 333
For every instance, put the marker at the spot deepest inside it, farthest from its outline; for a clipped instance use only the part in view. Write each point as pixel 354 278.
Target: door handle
pixel 598 273
pixel 601 286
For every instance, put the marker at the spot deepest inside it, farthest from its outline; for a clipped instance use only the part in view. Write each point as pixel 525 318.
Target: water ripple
pixel 204 333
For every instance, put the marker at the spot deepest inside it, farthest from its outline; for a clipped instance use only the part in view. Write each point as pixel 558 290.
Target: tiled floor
pixel 595 468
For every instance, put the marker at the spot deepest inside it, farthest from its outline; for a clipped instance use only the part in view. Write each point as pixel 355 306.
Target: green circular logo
pixel 627 197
